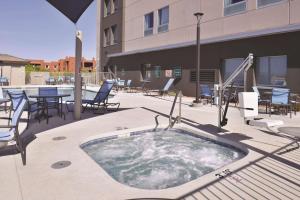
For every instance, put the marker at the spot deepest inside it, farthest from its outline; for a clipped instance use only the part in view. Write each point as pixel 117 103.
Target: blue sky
pixel 33 29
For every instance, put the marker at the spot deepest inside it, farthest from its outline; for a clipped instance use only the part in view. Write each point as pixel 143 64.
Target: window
pixel 114 34
pixel 271 70
pixel 157 71
pixel 177 72
pixel 234 6
pixel 123 72
pixel 107 7
pixel 163 19
pixel 261 3
pixel 148 75
pixel 230 66
pixel 114 6
pixel 148 24
pixel 106 37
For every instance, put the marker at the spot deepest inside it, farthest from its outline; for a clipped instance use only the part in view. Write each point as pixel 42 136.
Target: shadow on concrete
pixel 34 127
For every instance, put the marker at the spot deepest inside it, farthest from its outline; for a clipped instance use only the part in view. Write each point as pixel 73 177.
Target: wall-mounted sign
pixel 169 73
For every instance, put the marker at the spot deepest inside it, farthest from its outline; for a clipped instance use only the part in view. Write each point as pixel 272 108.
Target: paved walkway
pixel 273 175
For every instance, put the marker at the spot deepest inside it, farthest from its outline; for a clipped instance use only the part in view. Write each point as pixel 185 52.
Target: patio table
pixel 42 102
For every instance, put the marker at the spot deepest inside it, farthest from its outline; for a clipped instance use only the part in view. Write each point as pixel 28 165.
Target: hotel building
pixel 155 40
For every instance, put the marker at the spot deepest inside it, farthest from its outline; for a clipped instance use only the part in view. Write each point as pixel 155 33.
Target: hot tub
pixel 162 161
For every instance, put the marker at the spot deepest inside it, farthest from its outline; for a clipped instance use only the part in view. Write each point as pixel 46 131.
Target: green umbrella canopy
pixel 72 9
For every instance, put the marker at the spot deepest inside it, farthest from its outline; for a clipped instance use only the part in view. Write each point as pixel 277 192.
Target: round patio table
pixel 42 101
pixel 293 131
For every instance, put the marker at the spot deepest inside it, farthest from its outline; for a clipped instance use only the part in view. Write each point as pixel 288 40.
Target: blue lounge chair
pixel 13 132
pixel 165 89
pixel 101 98
pixel 280 99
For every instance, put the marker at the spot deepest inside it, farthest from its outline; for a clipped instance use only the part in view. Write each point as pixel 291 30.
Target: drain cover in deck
pixel 59 138
pixel 61 164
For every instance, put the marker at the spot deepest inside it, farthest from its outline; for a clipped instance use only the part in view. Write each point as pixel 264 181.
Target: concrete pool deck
pixel 271 175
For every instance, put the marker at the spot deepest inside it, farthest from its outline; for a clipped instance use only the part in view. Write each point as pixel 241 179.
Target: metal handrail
pixel 178 118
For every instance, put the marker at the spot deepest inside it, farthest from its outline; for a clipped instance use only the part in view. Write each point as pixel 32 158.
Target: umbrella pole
pixel 77 91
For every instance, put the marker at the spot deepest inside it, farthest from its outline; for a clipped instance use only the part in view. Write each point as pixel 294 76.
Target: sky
pixel 33 29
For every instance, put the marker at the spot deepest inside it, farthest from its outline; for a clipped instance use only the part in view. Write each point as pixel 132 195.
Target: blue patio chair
pixel 3 81
pixel 60 80
pixel 280 99
pixel 295 102
pixel 101 98
pixel 261 101
pixel 120 84
pixel 13 132
pixel 50 81
pixel 165 89
pixel 206 93
pixel 2 97
pixel 128 85
pixel 49 103
pixel 16 97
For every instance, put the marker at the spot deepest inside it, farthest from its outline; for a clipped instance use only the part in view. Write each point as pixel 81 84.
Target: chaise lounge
pixel 100 100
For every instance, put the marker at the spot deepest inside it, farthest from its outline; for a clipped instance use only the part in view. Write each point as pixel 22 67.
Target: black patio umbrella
pixel 73 9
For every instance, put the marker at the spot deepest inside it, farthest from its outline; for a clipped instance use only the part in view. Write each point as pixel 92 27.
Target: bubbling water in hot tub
pixel 164 159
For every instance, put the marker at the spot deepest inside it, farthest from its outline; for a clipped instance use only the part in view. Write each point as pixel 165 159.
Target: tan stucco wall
pixel 14 73
pixel 18 75
pixel 38 78
pixel 182 23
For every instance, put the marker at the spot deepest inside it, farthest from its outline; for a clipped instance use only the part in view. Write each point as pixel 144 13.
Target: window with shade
pixel 234 6
pixel 148 24
pixel 107 7
pixel 114 34
pixel 271 70
pixel 177 72
pixel 106 37
pixel 114 6
pixel 163 19
pixel 229 66
pixel 261 3
pixel 157 71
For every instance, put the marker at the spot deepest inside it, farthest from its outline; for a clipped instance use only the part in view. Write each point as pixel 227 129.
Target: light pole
pixel 198 16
